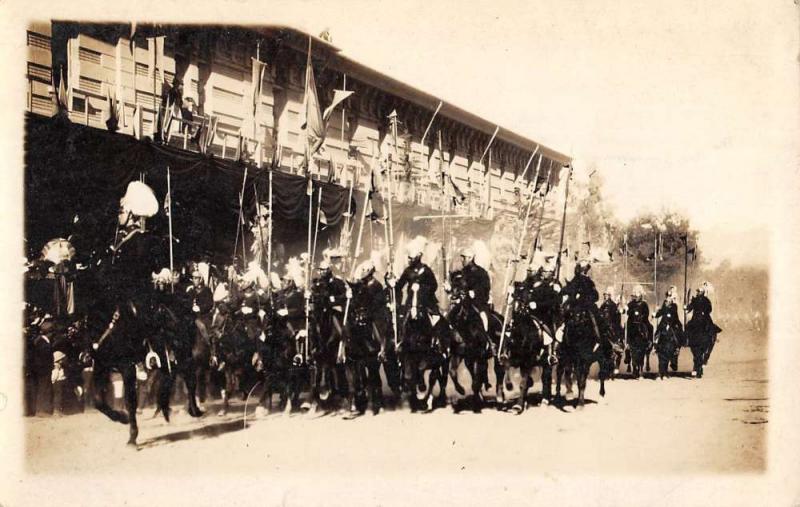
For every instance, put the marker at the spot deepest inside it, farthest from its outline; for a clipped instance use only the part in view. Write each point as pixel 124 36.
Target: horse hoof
pixel 517 409
pixel 222 413
pixel 132 445
pixel 545 401
pixel 694 373
pixel 616 371
pixel 261 412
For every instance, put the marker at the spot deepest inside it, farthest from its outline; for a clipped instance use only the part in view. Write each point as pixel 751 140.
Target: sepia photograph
pixel 403 245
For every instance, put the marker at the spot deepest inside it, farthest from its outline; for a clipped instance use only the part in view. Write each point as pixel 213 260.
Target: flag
pixel 339 96
pixel 60 95
pixel 166 119
pixel 692 253
pixel 111 112
pixel 453 191
pixel 375 199
pixel 137 122
pixel 206 134
pixel 167 204
pixel 257 80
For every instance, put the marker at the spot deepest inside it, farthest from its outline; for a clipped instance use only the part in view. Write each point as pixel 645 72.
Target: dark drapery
pixel 75 176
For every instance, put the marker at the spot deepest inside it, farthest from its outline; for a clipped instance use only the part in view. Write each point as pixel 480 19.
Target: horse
pixel 701 337
pixel 233 354
pixel 582 345
pixel 639 343
pixel 426 340
pixel 667 343
pixel 471 344
pixel 527 349
pixel 359 351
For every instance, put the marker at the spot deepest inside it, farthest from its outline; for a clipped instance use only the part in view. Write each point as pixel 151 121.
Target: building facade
pixel 132 73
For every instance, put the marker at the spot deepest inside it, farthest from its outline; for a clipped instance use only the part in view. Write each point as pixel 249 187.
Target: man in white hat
pixel 611 315
pixel 670 320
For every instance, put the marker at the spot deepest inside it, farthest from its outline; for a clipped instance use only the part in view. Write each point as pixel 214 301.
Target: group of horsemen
pixel 332 336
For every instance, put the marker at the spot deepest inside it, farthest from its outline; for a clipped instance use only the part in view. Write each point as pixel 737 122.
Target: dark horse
pixel 425 345
pixel 639 343
pixel 583 344
pixel 471 343
pixel 120 338
pixel 527 349
pixel 667 343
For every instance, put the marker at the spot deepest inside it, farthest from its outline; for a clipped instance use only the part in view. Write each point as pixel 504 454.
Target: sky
pixel 682 105
pixel 685 105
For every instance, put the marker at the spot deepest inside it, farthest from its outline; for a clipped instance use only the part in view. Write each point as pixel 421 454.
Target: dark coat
pixel 422 275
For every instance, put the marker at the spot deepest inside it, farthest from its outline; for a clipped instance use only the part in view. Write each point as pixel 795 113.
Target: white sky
pixel 679 104
pixel 687 104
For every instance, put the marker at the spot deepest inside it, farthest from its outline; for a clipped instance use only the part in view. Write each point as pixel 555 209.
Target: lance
pixel 316 227
pixel 169 215
pixel 444 204
pixel 258 221
pixel 543 205
pixel 563 225
pixel 357 251
pixel 389 224
pixel 310 193
pixel 685 276
pixel 437 217
pixel 269 231
pixel 516 260
pixel 239 223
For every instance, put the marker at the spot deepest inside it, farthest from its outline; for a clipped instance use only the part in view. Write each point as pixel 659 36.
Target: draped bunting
pixel 75 176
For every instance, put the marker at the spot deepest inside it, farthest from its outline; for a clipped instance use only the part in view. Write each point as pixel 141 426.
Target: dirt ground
pixel 677 426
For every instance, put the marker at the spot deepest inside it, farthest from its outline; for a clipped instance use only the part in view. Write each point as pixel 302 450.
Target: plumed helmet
pixel 468 252
pixel 255 275
pixel 139 200
pixel 365 269
pixel 416 247
pixel 58 250
pixel 584 265
pixel 609 290
pixel 638 290
pixel 482 254
pixel 295 272
pixel 221 293
pixel 164 276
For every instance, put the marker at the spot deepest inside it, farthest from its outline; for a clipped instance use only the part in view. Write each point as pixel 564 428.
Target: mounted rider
pixel 611 313
pixel 477 285
pixel 701 323
pixel 638 311
pixel 668 313
pixel 540 292
pixel 420 304
pixel 329 293
pixel 581 296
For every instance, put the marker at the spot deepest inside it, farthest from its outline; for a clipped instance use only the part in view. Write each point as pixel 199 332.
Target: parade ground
pixel 717 424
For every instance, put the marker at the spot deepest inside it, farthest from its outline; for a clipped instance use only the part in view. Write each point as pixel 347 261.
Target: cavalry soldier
pixel 668 313
pixel 580 294
pixel 289 305
pixel 365 343
pixel 540 291
pixel 610 313
pixel 201 301
pixel 701 323
pixel 477 285
pixel 638 311
pixel 421 283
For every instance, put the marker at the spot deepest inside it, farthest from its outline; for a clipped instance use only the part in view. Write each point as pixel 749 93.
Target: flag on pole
pixel 137 122
pixel 60 95
pixel 111 112
pixel 257 77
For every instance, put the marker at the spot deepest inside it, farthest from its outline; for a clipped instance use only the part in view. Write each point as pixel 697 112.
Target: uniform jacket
pixel 422 275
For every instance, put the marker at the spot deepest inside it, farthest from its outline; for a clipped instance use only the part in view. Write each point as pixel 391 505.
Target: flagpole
pixel 316 226
pixel 685 276
pixel 169 214
pixel 269 230
pixel 541 210
pixel 390 224
pixel 507 282
pixel 241 218
pixel 563 225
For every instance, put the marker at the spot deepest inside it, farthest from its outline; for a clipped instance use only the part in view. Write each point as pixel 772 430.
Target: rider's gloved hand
pixel 349 293
pixel 283 312
pixel 471 294
pixel 532 305
pixel 415 287
pixel 447 287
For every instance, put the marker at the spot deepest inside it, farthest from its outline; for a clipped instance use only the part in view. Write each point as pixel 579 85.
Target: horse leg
pixel 189 373
pixel 375 385
pixel 100 382
pixel 582 372
pixel 547 380
pixel 499 379
pixel 454 361
pixel 444 374
pixel 524 377
pixel 129 382
pixel 478 375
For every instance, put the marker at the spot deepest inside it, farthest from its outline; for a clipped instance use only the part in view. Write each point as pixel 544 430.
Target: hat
pixel 416 246
pixel 255 275
pixel 294 271
pixel 221 293
pixel 58 250
pixel 365 269
pixel 47 327
pixel 638 290
pixel 468 252
pixel 139 199
pixel 609 290
pixel 164 276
